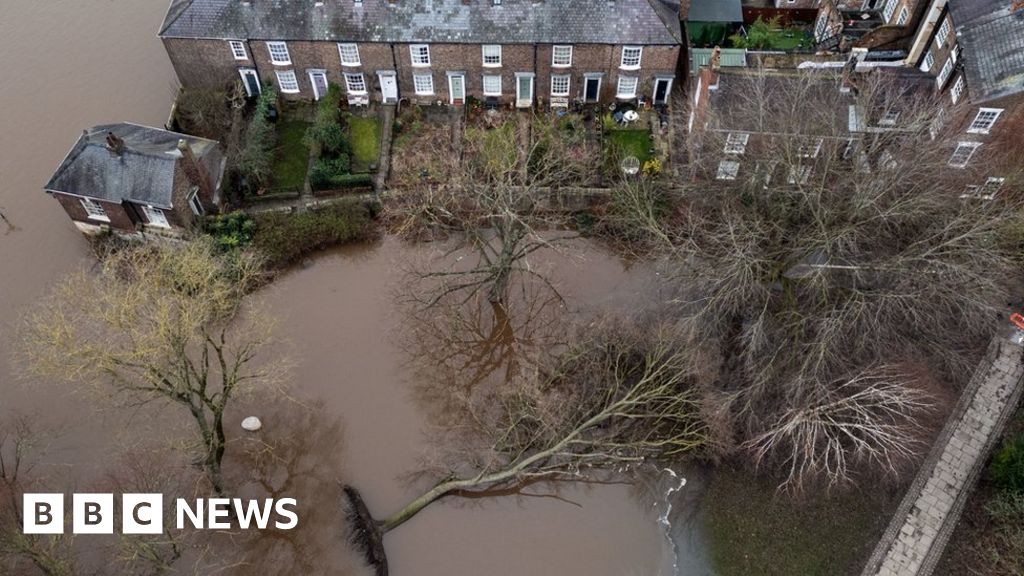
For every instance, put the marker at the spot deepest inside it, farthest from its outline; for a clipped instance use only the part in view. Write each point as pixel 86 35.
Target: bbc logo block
pixel 93 514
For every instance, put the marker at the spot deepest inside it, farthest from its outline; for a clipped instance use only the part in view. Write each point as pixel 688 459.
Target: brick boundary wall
pixel 1000 347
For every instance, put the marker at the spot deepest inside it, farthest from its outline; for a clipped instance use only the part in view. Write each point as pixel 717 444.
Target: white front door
pixel 457 89
pixel 388 88
pixel 318 79
pixel 524 91
pixel 251 81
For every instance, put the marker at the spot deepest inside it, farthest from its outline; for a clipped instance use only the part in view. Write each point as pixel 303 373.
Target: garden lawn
pixel 632 143
pixel 779 41
pixel 364 134
pixel 291 157
pixel 752 530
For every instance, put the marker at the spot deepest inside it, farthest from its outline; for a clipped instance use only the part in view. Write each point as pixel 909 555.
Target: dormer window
pixel 631 57
pixel 492 55
pixel 420 54
pixel 279 53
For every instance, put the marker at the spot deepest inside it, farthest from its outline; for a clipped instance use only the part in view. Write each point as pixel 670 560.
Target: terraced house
pixel 521 53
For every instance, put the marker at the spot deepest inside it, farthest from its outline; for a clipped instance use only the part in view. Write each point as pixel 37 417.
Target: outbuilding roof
pixel 991 34
pixel 715 11
pixel 429 21
pixel 144 170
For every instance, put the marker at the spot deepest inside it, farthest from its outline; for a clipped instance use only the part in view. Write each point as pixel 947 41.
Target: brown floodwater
pixel 71 64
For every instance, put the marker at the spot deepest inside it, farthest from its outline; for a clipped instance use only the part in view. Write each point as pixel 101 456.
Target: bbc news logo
pixel 144 513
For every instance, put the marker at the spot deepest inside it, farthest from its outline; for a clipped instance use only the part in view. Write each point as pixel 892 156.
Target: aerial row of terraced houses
pixel 541 54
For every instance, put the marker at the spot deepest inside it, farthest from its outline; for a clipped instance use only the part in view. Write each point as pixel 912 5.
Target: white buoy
pixel 252 423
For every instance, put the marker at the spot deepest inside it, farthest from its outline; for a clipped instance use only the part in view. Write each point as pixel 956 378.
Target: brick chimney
pixel 115 144
pixel 195 171
pixel 684 9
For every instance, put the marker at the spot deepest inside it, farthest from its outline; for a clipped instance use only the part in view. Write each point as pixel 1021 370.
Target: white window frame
pixel 736 142
pixel 937 123
pixel 947 69
pixel 94 210
pixel 560 78
pixel 195 203
pixel 889 118
pixel 986 191
pixel 728 170
pixel 984 120
pixel 238 49
pixel 561 60
pixel 957 90
pixel 943 34
pixel 639 56
pixel 801 172
pixel 632 93
pixel 352 49
pixel 417 58
pixel 889 10
pixel 484 55
pixel 969 147
pixel 283 82
pixel 801 151
pixel 155 216
pixel 493 78
pixel 417 79
pixel 929 61
pixel 903 17
pixel 352 82
pixel 279 47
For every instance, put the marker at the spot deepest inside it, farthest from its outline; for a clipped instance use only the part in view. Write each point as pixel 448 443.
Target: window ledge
pixel 978 131
pixel 98 218
pixel 352 64
pixel 283 91
pixel 415 65
pixel 631 68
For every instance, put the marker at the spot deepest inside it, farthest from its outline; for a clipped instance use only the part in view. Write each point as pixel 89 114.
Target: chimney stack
pixel 115 144
pixel 194 171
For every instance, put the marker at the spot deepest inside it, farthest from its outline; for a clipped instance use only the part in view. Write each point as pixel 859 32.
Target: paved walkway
pixel 913 543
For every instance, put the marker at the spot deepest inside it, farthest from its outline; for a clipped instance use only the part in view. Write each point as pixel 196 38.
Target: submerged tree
pixel 495 204
pixel 160 322
pixel 616 398
pixel 824 243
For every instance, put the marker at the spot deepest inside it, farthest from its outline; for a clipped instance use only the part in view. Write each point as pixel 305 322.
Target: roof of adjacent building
pixel 715 11
pixel 991 34
pixel 429 21
pixel 143 172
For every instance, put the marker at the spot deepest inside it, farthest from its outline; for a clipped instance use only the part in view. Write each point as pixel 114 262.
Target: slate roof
pixel 429 21
pixel 143 173
pixel 715 11
pixel 749 101
pixel 992 38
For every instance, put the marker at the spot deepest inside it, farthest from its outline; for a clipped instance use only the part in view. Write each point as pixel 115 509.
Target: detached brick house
pixel 129 178
pixel 511 52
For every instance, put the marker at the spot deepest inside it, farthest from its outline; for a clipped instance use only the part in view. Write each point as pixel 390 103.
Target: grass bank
pixel 291 157
pixel 753 530
pixel 364 135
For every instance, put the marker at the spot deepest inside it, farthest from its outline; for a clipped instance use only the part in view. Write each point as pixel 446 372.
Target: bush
pixel 326 132
pixel 204 113
pixel 326 169
pixel 1007 468
pixel 284 238
pixel 229 231
pixel 256 157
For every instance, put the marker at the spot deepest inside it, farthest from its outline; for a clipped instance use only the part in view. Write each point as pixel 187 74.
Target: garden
pixel 772 35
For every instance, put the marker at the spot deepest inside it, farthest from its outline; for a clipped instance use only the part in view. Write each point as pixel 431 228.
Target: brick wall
pixel 210 63
pixel 120 218
pixel 203 63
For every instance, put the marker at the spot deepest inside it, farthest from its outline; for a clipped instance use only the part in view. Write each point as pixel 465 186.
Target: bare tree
pixel 617 397
pixel 494 204
pixel 825 234
pixel 160 322
pixel 21 444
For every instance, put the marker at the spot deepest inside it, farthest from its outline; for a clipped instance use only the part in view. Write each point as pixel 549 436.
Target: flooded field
pixel 78 64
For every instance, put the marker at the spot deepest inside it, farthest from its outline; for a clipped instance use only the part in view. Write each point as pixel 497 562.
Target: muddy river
pixel 73 64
